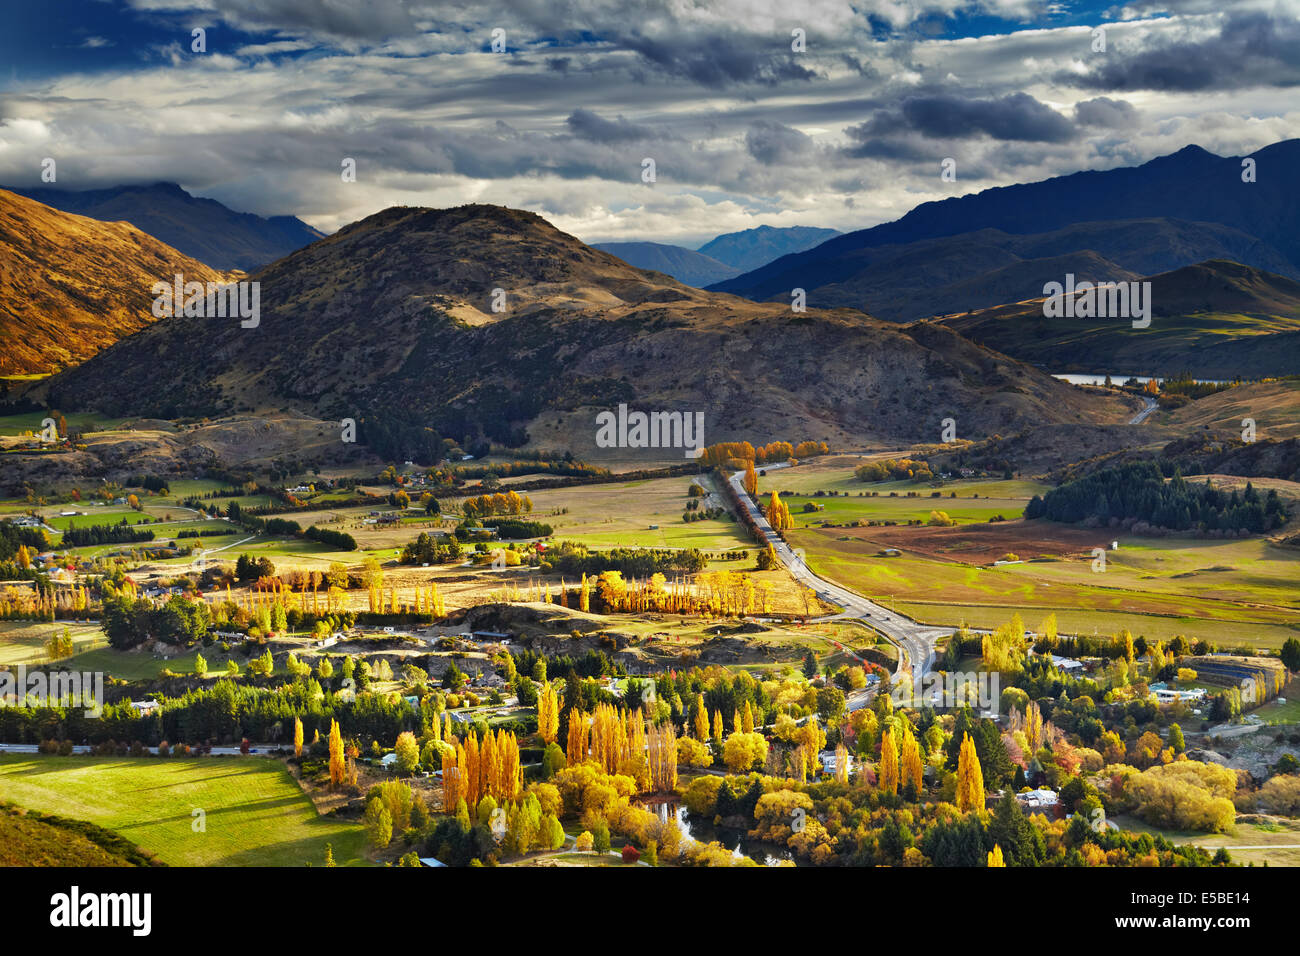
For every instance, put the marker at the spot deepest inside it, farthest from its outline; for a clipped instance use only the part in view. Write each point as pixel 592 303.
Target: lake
pixel 703 831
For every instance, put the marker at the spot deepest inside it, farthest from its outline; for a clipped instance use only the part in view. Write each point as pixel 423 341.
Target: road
pixel 259 750
pixel 915 641
pixel 1141 416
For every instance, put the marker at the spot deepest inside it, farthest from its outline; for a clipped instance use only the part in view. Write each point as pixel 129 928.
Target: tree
pixel 1176 738
pixel 379 823
pixel 910 761
pixel 408 753
pixel 995 856
pixel 297 736
pixel 329 855
pixel 1291 654
pixel 338 768
pixel 751 479
pixel 888 779
pixel 970 779
pixel 200 665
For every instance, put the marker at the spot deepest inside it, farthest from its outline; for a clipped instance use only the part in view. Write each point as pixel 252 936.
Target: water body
pixel 1115 379
pixel 694 828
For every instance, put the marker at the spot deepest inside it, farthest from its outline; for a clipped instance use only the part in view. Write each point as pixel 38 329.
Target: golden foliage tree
pixel 970 778
pixel 338 767
pixel 888 778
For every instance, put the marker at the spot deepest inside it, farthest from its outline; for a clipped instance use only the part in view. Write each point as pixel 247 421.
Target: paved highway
pixel 915 641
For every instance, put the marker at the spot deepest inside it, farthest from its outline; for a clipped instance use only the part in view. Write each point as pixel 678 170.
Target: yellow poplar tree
pixel 911 760
pixel 970 778
pixel 338 767
pixel 297 736
pixel 995 856
pixel 888 764
pixel 701 720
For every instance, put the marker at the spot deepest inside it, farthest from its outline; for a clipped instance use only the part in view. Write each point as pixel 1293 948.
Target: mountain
pixel 682 264
pixel 1191 186
pixel 756 247
pixel 390 321
pixel 989 267
pixel 1217 320
pixel 201 228
pixel 70 286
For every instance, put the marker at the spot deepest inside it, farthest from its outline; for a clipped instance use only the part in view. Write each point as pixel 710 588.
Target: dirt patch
pixel 982 544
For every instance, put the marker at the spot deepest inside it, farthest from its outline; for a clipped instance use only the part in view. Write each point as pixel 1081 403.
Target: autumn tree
pixel 338 768
pixel 970 778
pixel 888 764
pixel 297 736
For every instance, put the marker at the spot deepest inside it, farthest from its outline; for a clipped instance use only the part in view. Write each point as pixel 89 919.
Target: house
pixel 388 761
pixel 430 861
pixel 1041 801
pixel 828 762
pixel 1069 665
pixel 143 707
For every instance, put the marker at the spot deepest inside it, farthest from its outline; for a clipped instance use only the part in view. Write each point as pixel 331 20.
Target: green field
pixel 77 422
pixel 255 813
pixel 23 642
pixel 1229 592
pixel 620 515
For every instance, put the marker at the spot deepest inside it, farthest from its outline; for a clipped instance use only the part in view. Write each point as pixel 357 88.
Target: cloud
pixel 1016 116
pixel 585 124
pixel 1252 49
pixel 1103 111
pixel 773 143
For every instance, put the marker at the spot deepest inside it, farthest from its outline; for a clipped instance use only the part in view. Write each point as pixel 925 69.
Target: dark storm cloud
pixel 775 143
pixel 1016 116
pixel 1252 50
pixel 716 60
pixel 585 124
pixel 1105 112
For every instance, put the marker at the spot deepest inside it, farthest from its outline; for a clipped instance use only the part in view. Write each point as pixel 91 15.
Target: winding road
pixel 915 641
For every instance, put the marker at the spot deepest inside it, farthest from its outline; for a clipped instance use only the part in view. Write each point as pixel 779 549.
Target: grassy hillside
pixel 72 286
pixel 1217 320
pixel 255 814
pixel 31 838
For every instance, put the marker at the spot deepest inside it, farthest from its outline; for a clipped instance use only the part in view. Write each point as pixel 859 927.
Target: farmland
pixel 254 812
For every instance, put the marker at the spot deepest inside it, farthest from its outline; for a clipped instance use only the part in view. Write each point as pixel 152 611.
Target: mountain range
pixel 1004 243
pixel 720 258
pixel 1216 320
pixel 203 229
pixel 394 321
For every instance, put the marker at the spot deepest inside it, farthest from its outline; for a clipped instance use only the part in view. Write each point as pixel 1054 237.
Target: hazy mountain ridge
pixel 202 228
pixel 684 265
pixel 751 248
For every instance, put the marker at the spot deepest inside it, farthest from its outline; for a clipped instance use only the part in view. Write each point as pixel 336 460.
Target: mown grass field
pixel 1277 844
pixel 23 642
pixel 620 515
pixel 1229 592
pixel 253 810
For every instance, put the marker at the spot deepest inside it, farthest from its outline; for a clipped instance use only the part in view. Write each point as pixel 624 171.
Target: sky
pixel 743 129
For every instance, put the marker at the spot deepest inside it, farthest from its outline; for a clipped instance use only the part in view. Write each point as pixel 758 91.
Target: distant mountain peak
pixel 199 227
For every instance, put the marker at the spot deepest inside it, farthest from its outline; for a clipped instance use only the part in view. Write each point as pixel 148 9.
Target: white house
pixel 143 707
